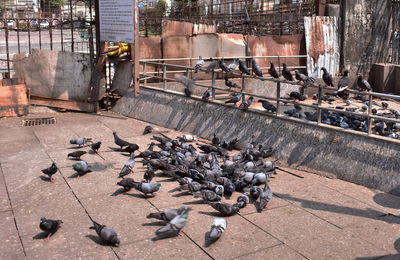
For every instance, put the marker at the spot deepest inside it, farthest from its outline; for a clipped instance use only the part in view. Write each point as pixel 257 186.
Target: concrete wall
pixel 55 74
pixel 368 161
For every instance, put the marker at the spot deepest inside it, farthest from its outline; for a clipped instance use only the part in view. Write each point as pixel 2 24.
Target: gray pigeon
pixel 265 196
pixel 243 68
pixel 106 234
pixel 327 77
pixel 207 195
pixel 199 64
pixel 243 200
pixel 118 141
pixel 167 215
pixel 213 65
pixel 246 103
pixel 148 129
pixel 126 183
pixel 50 226
pixel 256 69
pixel 233 65
pixel 207 94
pixel 81 168
pixel 225 208
pixel 363 84
pixel 80 141
pixel 175 225
pixel 344 81
pixel 217 228
pixel 146 188
pixel 128 167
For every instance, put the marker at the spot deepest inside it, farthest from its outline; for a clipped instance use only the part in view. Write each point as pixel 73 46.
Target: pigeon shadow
pixel 74 159
pixel 181 194
pixel 73 176
pixel 166 180
pixel 227 196
pixel 117 192
pixel 95 239
pixel 387 200
pixel 97 167
pixel 115 149
pixel 41 235
pixel 154 239
pixel 45 178
pixel 75 147
pixel 195 202
pixel 158 223
pixel 139 196
pixel 208 241
pixel 212 214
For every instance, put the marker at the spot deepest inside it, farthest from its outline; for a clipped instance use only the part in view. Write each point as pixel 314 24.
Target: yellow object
pixel 122 47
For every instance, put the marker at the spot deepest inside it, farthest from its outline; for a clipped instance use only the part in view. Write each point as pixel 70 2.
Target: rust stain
pixel 316 46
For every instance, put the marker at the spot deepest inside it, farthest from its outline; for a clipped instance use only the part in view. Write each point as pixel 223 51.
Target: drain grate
pixel 39 121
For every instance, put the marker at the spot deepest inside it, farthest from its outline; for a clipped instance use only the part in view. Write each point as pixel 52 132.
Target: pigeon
pixel 327 77
pixel 348 102
pixel 149 174
pixel 175 225
pixel 199 64
pixel 76 154
pixel 81 168
pixel 95 147
pixel 272 71
pixel 232 66
pixel 215 140
pixel 224 67
pixel 256 69
pixel 207 94
pixel 234 99
pixel 148 129
pixel 225 208
pixel 80 141
pixel 50 226
pixel 128 166
pixel 230 84
pixel 286 73
pixel 51 171
pixel 118 141
pixel 187 82
pixel 267 105
pixel 213 65
pixel 385 105
pixel 146 153
pixel 243 200
pixel 131 148
pixel 265 196
pixel 126 183
pixel 363 84
pixel 146 188
pixel 305 79
pixel 243 68
pixel 207 195
pixel 246 103
pixel 107 235
pixel 254 192
pixel 364 107
pixel 168 214
pixel 344 82
pixel 217 228
pixel 313 76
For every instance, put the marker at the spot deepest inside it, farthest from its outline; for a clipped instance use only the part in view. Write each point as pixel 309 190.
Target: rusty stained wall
pixel 176 28
pixel 322 44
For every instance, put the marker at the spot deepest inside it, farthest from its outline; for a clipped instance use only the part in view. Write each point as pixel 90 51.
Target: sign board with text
pixel 117 20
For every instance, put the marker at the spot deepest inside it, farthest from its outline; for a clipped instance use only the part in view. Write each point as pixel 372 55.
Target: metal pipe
pixel 7 50
pixel 319 109
pixel 29 35
pixel 51 33
pixel 278 97
pixel 212 85
pixel 164 76
pixel 72 26
pixel 369 114
pixel 19 49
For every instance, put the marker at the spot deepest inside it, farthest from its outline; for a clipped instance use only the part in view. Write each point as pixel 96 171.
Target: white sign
pixel 117 20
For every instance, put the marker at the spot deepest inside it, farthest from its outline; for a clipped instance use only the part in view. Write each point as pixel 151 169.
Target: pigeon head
pixel 323 69
pixel 157 186
pixel 73 141
pixel 284 65
pixel 114 133
pixel 251 98
pixel 43 219
pixel 115 240
pixel 346 73
pixel 270 62
pixel 374 111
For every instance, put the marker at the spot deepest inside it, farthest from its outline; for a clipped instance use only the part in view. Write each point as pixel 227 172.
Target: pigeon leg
pixel 181 235
pixel 78 176
pixel 47 238
pixel 51 179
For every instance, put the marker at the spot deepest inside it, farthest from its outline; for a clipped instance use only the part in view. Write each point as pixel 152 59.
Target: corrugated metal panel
pixel 322 44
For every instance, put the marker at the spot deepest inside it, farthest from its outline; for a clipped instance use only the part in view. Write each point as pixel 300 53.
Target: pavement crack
pixel 12 211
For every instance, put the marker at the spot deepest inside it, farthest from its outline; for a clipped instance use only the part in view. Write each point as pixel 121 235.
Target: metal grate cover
pixel 39 121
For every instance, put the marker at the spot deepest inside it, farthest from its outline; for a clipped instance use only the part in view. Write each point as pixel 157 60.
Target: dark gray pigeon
pixel 230 84
pixel 146 188
pixel 118 141
pixel 126 183
pixel 167 215
pixel 265 196
pixel 50 226
pixel 149 174
pixel 225 208
pixel 217 228
pixel 81 168
pixel 256 69
pixel 207 195
pixel 327 77
pixel 272 71
pixel 286 73
pixel 224 67
pixel 128 166
pixel 267 105
pixel 199 64
pixel 344 81
pixel 76 154
pixel 51 171
pixel 80 141
pixel 107 235
pixel 212 66
pixel 175 225
pixel 243 68
pixel 246 103
pixel 234 99
pixel 207 94
pixel 148 129
pixel 187 82
pixel 363 84
pixel 243 200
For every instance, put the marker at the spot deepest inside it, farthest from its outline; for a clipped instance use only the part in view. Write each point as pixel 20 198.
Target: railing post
pixel 369 114
pixel 319 109
pixel 7 48
pixel 164 73
pixel 278 96
pixel 144 74
pixel 212 85
pixel 243 87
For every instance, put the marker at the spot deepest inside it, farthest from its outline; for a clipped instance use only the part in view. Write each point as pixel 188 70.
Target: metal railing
pixel 163 69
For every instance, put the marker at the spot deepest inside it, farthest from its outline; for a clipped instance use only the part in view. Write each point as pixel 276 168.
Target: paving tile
pixel 312 236
pixel 4 201
pixel 275 252
pixel 54 137
pixel 10 247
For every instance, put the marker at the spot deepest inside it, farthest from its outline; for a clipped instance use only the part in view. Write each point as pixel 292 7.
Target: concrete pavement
pixel 310 217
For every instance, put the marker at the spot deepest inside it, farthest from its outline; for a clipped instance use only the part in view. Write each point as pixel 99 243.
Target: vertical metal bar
pixel 7 50
pixel 62 35
pixel 243 89
pixel 278 96
pixel 144 73
pixel 72 26
pixel 40 34
pixel 51 33
pixel 164 68
pixel 212 85
pixel 29 35
pixel 369 113
pixel 19 47
pixel 319 109
pixel 91 47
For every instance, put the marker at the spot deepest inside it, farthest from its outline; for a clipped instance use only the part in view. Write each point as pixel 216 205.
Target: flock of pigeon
pixel 343 120
pixel 205 171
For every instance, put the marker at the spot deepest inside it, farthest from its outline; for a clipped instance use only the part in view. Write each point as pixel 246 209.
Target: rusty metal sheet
pixel 175 28
pixel 204 28
pixel 231 45
pixel 150 47
pixel 322 43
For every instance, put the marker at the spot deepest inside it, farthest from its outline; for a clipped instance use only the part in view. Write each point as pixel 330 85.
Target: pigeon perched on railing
pixel 49 226
pixel 224 67
pixel 187 82
pixel 327 77
pixel 344 82
pixel 286 73
pixel 267 105
pixel 233 65
pixel 363 84
pixel 243 68
pixel 234 99
pixel 212 66
pixel 207 94
pixel 247 103
pixel 272 71
pixel 230 84
pixel 107 235
pixel 256 69
pixel 199 64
